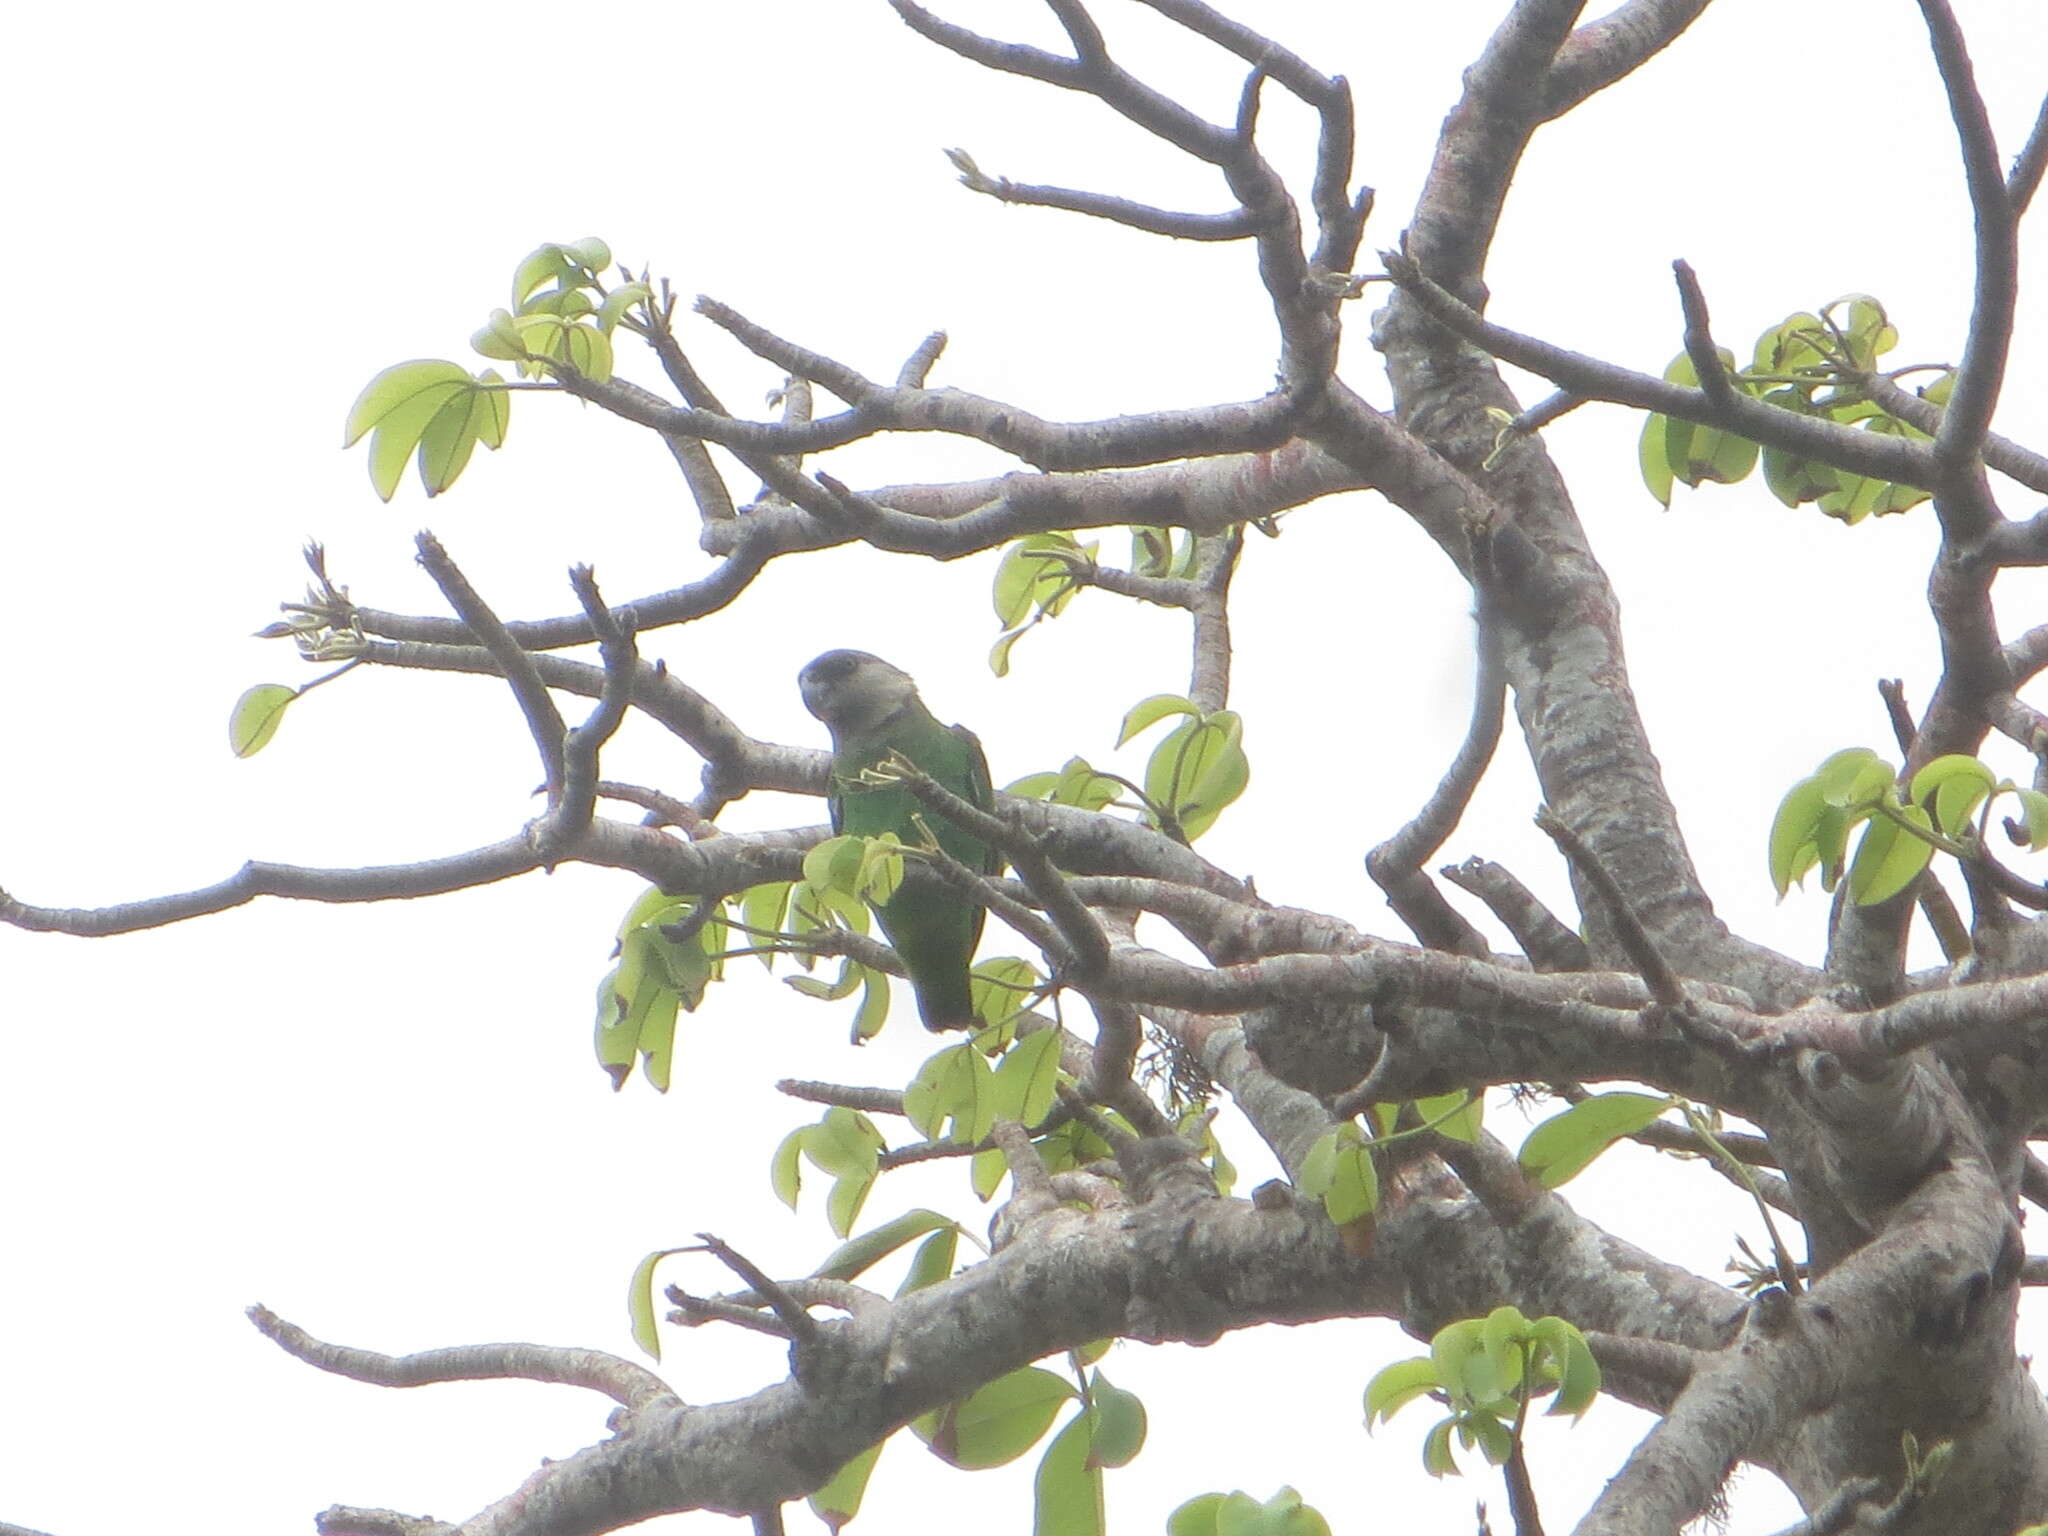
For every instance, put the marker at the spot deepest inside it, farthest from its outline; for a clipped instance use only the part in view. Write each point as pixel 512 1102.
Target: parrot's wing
pixel 981 792
pixel 835 799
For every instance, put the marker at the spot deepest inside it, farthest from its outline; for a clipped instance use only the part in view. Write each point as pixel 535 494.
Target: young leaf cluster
pixel 1196 770
pixel 667 956
pixel 1487 1371
pixel 1946 807
pixel 436 412
pixel 1809 364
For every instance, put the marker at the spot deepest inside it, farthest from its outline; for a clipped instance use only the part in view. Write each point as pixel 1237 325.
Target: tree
pixel 1893 1114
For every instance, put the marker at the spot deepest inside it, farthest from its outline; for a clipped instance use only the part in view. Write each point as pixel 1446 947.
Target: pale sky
pixel 385 1122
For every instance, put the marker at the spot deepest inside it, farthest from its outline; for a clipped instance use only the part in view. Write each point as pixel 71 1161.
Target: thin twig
pixel 620 1380
pixel 543 720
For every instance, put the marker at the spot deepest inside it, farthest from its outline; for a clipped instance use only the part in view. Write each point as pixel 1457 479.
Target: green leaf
pixel 834 865
pixel 1119 1424
pixel 1578 1373
pixel 843 1141
pixel 933 1260
pixel 1033 574
pixel 999 987
pixel 1151 711
pixel 839 1500
pixel 873 1012
pixel 851 1258
pixel 640 1302
pixel 1025 1085
pixel 1653 461
pixel 1198 770
pixel 762 907
pixel 998 1423
pixel 1437 1459
pixel 1339 1171
pixel 417 388
pixel 785 1169
pixel 986 1170
pixel 849 1194
pixel 590 253
pixel 1493 1438
pixel 256 716
pixel 954 1085
pixel 1854 777
pixel 1889 857
pixel 1197 1517
pixel 1067 1491
pixel 1561 1147
pixel 1795 833
pixel 1395 1386
pixel 619 301
pixel 1502 1335
pixel 546 264
pixel 1459 1351
pixel 1456 1114
pixel 1958 783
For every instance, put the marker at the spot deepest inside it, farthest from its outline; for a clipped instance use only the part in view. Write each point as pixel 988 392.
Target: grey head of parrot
pixel 855 693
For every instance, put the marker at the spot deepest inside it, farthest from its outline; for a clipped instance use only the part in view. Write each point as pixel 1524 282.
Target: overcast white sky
pixel 385 1122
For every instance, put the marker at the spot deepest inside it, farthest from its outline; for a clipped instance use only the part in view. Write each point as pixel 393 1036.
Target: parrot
pixel 872 709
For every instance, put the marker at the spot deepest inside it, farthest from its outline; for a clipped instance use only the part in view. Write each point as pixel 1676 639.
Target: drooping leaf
pixel 839 1500
pixel 256 716
pixel 1958 784
pixel 933 1260
pixel 1395 1386
pixel 640 1302
pixel 1119 1424
pixel 1150 711
pixel 1889 857
pixel 419 388
pixel 1026 1083
pixel 1795 833
pixel 1067 1491
pixel 999 1422
pixel 1561 1147
pixel 851 1258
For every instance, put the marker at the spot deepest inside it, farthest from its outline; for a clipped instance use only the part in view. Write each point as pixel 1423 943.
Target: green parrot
pixel 872 709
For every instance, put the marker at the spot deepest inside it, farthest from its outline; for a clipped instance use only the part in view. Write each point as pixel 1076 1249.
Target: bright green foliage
pixel 845 1144
pixel 640 1302
pixel 852 1258
pixel 257 715
pixel 658 972
pixel 1034 581
pixel 1196 771
pixel 1487 1371
pixel 839 1500
pixel 1239 1514
pixel 1067 1492
pixel 998 1423
pixel 561 320
pixel 933 1260
pixel 433 407
pixel 953 1096
pixel 1561 1147
pixel 1946 808
pixel 1078 783
pixel 1809 364
pixel 1339 1172
pixel 1000 986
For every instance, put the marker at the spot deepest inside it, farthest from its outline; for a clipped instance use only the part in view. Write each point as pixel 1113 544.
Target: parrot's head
pixel 853 692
